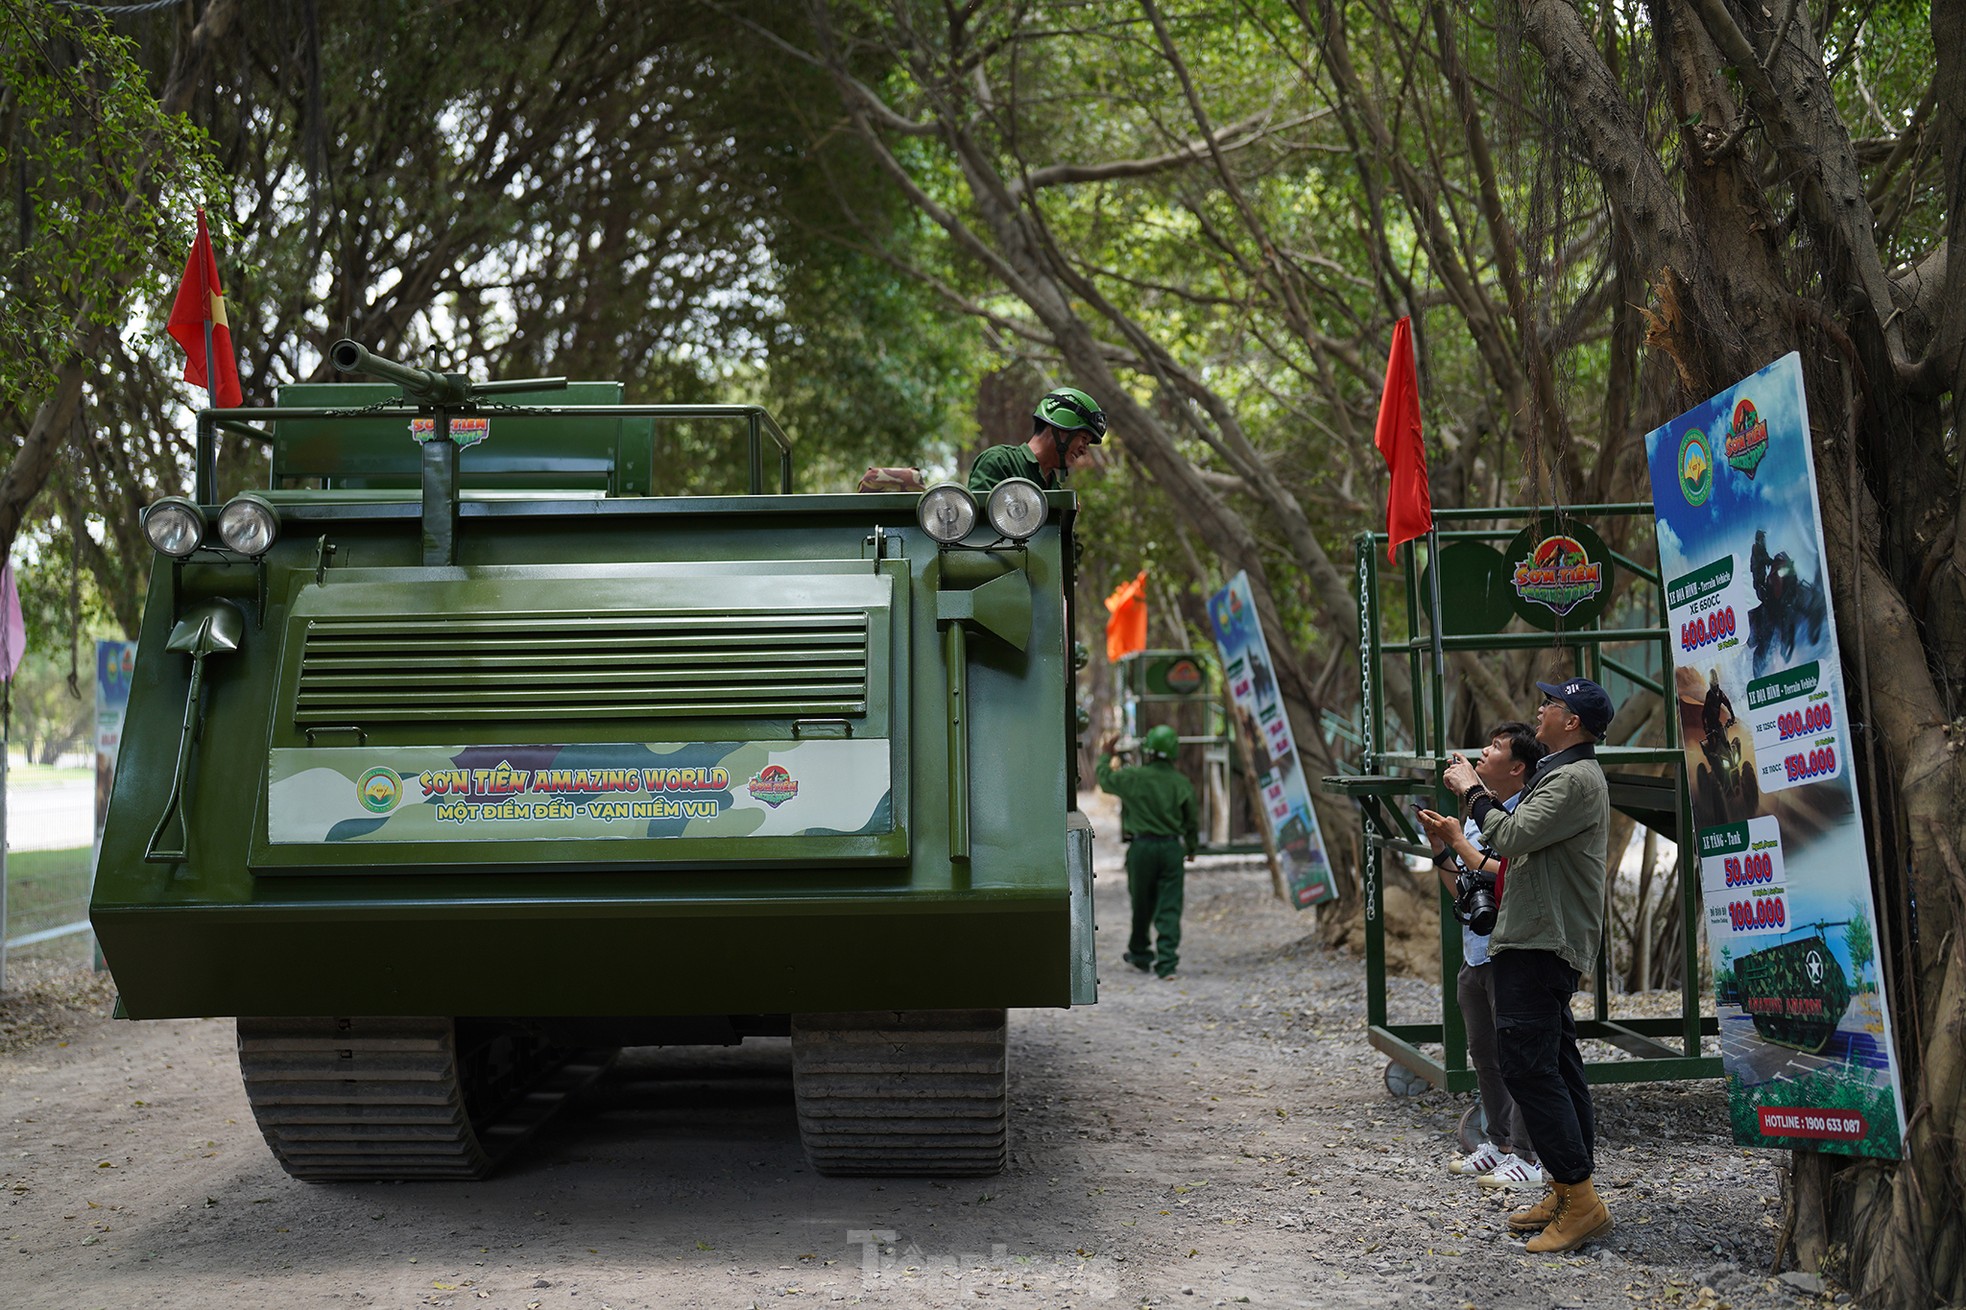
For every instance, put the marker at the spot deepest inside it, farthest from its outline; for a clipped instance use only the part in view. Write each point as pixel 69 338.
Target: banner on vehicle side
pixel 1286 798
pixel 831 787
pixel 1805 1031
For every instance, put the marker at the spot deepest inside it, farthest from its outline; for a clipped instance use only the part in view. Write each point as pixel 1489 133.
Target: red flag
pixel 1409 505
pixel 201 301
pixel 1126 630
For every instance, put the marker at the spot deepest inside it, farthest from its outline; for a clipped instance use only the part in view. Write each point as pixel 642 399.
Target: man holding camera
pixel 1469 871
pixel 1548 930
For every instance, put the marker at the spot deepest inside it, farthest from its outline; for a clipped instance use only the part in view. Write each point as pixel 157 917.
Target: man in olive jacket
pixel 1546 935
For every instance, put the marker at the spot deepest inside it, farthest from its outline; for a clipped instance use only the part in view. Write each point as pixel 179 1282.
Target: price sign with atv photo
pixel 1804 1025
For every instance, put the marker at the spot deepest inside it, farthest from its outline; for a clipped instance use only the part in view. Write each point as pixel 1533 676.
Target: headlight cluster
pixel 1015 509
pixel 248 525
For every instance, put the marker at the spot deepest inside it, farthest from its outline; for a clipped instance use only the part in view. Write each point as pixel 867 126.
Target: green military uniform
pixel 1157 807
pixel 1000 462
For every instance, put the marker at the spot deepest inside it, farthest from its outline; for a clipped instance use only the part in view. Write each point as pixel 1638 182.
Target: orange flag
pixel 1126 630
pixel 198 324
pixel 1409 505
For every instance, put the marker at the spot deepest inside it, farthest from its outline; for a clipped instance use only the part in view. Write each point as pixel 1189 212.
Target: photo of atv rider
pixel 1264 681
pixel 1724 789
pixel 1787 603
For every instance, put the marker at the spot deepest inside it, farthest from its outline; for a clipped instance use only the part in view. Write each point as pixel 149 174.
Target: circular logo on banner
pixel 1695 467
pixel 379 789
pixel 774 785
pixel 1747 438
pixel 1182 676
pixel 1560 572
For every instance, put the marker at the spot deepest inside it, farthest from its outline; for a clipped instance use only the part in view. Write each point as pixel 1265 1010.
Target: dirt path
pixel 1221 1138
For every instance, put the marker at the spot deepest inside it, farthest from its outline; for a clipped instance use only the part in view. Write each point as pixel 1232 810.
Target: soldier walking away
pixel 1065 423
pixel 1158 817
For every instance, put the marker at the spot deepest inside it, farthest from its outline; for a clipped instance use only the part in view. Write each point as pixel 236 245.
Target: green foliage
pixel 1857 939
pixel 46 889
pixel 48 719
pixel 865 369
pixel 101 187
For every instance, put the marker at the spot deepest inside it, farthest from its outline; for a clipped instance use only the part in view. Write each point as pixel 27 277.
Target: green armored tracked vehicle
pixel 1795 991
pixel 452 767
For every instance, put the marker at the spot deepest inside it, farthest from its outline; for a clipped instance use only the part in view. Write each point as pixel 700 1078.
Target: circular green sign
pixel 1559 573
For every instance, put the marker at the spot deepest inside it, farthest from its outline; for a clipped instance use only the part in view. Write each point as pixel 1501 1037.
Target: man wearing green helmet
pixel 1064 424
pixel 1158 816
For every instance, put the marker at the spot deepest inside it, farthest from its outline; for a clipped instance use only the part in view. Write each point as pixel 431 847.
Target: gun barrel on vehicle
pixel 422 384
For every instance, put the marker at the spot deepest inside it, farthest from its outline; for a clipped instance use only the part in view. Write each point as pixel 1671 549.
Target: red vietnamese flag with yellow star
pixel 198 324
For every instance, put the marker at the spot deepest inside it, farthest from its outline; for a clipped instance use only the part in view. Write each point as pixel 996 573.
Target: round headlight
pixel 175 526
pixel 1016 508
pixel 946 512
pixel 249 525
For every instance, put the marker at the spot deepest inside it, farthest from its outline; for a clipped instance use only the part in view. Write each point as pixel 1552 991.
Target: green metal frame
pixel 1665 1049
pixel 1220 732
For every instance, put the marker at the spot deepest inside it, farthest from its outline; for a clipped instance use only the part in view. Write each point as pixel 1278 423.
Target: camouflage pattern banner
pixel 1286 796
pixel 1805 1031
pixel 590 792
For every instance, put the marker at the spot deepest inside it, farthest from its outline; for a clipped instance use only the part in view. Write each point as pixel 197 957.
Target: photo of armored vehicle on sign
pixel 461 757
pixel 1794 991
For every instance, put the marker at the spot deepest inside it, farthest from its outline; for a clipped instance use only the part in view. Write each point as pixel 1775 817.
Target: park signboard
pixel 1259 711
pixel 115 671
pixel 1805 1027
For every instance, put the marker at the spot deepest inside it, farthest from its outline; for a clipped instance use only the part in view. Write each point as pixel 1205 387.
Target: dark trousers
pixel 1153 882
pixel 1536 1045
pixel 1475 988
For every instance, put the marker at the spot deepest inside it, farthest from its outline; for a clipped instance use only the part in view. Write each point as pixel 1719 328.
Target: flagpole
pixel 208 276
pixel 1433 627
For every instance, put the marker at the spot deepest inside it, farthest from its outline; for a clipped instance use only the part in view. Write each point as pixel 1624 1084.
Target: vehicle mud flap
pixel 346 1099
pixel 1078 870
pixel 901 1092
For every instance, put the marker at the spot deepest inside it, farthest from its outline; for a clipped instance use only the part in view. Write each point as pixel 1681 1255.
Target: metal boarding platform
pixel 1663 1049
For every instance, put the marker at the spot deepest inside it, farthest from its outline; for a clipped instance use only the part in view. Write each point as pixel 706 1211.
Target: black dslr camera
pixel 1474 900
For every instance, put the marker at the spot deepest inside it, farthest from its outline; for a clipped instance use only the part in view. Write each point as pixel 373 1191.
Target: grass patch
pixel 46 889
pixel 44 775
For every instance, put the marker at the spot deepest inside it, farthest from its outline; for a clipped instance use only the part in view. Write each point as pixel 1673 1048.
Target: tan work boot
pixel 1537 1217
pixel 1580 1216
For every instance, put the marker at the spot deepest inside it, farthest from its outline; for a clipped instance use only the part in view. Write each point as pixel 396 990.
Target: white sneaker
pixel 1485 1159
pixel 1513 1174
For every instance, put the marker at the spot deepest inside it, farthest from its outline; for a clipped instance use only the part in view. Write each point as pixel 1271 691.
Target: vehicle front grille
pixel 616 666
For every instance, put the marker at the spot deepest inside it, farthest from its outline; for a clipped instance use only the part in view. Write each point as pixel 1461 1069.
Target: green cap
pixel 1162 741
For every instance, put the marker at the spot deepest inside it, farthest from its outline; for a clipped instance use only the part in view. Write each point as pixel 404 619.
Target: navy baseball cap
pixel 1585 699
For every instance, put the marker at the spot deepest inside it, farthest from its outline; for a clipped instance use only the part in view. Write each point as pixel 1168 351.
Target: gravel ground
pixel 1222 1139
